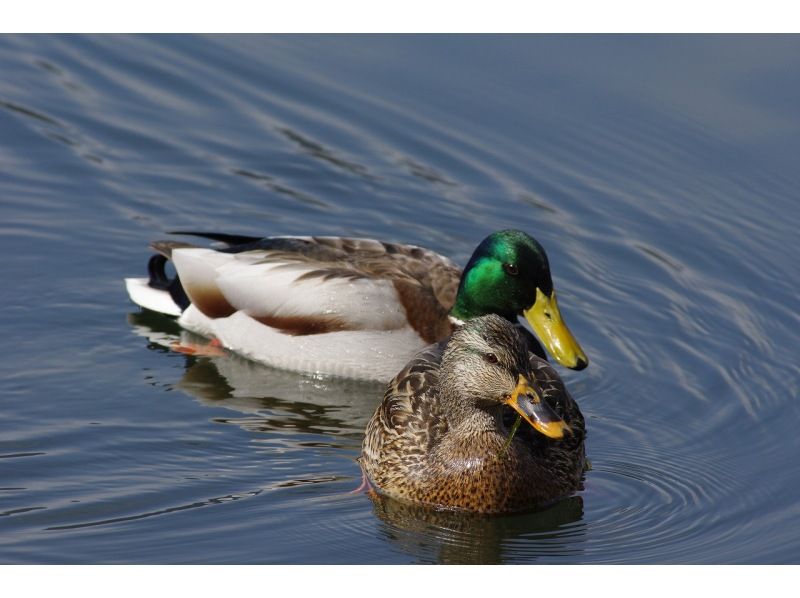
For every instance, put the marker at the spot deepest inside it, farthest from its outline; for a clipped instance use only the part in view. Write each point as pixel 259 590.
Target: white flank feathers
pixel 378 341
pixel 360 354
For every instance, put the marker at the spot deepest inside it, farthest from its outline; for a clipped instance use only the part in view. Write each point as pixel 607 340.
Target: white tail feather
pixel 143 295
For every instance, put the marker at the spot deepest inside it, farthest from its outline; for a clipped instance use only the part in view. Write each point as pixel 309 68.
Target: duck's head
pixel 486 365
pixel 509 275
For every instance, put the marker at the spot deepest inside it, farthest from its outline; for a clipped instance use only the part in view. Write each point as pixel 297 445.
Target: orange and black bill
pixel 527 402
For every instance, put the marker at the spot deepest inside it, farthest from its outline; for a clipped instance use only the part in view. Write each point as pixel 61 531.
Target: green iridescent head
pixel 509 275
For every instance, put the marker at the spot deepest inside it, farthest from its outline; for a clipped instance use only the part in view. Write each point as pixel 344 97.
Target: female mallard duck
pixel 440 435
pixel 351 307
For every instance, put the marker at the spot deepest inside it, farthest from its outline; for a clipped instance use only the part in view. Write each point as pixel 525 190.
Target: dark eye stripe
pixel 490 358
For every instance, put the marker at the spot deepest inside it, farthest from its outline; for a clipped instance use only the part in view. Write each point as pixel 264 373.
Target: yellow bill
pixel 545 319
pixel 527 402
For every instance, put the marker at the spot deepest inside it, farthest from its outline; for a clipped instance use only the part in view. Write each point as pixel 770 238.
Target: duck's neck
pixel 454 321
pixel 465 309
pixel 470 304
pixel 463 413
pixel 476 421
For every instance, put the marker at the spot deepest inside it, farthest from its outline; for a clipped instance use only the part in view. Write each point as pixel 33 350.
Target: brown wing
pixel 408 422
pixel 426 282
pixel 352 258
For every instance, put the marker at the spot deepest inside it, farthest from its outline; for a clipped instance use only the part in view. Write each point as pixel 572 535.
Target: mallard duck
pixel 440 436
pixel 351 307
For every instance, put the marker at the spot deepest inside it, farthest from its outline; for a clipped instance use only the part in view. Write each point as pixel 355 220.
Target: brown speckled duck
pixel 440 435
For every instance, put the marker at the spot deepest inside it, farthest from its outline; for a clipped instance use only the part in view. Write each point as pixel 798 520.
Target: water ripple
pixel 671 235
pixel 195 505
pixel 28 112
pixel 16 455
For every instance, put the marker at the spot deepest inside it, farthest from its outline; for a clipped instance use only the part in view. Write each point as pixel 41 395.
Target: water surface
pixel 659 172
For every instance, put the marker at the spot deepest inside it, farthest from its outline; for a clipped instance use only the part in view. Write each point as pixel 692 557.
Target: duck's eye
pixel 490 358
pixel 511 269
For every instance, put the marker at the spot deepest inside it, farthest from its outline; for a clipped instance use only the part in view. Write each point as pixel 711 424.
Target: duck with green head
pixel 358 308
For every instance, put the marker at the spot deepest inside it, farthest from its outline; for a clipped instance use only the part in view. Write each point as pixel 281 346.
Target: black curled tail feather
pixel 240 243
pixel 158 279
pixel 230 240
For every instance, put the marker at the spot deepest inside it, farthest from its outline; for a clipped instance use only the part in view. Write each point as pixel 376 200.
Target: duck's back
pixel 353 307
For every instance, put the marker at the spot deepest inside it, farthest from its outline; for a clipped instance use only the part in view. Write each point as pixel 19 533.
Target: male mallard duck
pixel 440 435
pixel 351 307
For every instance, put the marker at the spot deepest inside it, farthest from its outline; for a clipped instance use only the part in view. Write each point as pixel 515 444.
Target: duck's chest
pixel 478 473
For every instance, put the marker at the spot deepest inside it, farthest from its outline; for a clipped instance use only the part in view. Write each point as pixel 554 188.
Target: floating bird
pixel 441 435
pixel 357 308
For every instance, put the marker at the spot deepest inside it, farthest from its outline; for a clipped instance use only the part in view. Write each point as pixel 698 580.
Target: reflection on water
pixel 268 398
pixel 454 538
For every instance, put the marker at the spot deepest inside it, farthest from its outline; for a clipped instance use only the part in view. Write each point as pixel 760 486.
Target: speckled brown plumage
pixel 438 435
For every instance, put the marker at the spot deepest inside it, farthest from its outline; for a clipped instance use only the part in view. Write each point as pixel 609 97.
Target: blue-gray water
pixel 661 174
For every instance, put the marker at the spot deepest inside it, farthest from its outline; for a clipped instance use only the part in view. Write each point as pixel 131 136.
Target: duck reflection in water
pixel 436 536
pixel 269 399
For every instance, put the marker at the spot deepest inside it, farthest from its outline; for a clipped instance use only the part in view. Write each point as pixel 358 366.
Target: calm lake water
pixel 661 174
